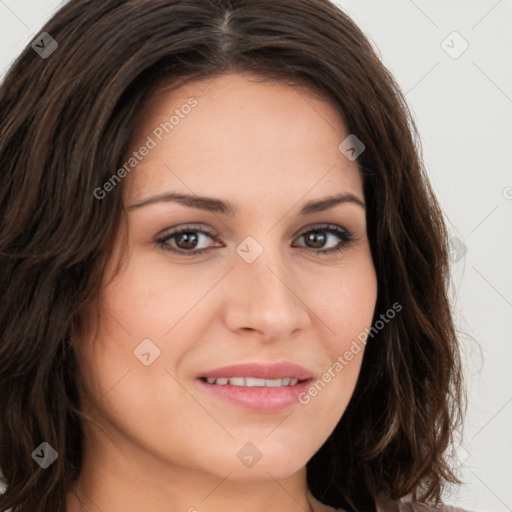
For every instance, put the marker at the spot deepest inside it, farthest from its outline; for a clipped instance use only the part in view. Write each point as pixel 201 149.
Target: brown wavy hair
pixel 66 122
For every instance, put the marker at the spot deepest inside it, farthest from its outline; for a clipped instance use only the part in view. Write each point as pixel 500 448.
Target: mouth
pixel 251 382
pixel 258 387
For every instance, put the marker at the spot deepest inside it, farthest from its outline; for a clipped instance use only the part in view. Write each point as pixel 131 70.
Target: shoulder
pixel 406 505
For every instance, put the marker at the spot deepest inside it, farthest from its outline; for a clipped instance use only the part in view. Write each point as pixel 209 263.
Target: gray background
pixel 462 103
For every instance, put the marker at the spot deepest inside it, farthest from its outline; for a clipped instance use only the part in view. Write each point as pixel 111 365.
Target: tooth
pixel 252 382
pixel 274 383
pixel 237 381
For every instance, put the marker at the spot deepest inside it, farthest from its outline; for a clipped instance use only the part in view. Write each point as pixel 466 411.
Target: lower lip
pixel 261 399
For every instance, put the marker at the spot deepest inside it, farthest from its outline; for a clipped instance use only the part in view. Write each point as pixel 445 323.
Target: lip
pixel 260 371
pixel 259 399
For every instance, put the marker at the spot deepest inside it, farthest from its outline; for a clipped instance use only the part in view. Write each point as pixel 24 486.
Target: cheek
pixel 345 306
pixel 344 303
pixel 149 298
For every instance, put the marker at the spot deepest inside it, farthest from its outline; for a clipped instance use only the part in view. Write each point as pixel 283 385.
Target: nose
pixel 264 298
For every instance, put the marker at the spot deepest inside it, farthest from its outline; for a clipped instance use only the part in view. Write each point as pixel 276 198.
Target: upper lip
pixel 260 371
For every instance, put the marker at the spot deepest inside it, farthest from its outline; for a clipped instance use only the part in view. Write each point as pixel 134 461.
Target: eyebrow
pixel 214 205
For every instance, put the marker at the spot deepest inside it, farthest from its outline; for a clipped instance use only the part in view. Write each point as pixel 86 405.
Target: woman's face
pixel 269 288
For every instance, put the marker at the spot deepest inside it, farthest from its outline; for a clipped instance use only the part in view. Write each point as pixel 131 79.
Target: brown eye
pixel 322 240
pixel 186 241
pixel 317 239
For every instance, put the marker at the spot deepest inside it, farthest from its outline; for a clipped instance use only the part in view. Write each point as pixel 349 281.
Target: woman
pixel 224 269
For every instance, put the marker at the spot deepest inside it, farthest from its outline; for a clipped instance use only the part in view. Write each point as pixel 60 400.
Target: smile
pixel 252 382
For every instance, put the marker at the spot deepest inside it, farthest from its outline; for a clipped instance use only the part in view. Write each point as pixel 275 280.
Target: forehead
pixel 239 133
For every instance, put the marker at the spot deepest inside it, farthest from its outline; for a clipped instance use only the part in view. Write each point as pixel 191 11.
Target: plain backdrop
pixel 453 60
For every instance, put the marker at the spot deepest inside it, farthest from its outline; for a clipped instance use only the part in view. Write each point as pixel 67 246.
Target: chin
pixel 265 459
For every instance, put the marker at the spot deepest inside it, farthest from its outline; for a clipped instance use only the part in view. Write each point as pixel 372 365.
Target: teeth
pixel 237 381
pixel 251 382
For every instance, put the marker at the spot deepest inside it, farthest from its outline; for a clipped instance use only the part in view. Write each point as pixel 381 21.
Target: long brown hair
pixel 66 122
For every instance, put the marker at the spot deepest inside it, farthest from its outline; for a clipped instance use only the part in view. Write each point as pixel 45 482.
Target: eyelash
pixel 346 237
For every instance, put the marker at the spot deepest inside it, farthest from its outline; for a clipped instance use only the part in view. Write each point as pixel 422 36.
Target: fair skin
pixel 159 441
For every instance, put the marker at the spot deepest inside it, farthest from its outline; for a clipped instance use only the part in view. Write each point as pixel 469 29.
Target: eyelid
pixel 187 227
pixel 174 232
pixel 345 236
